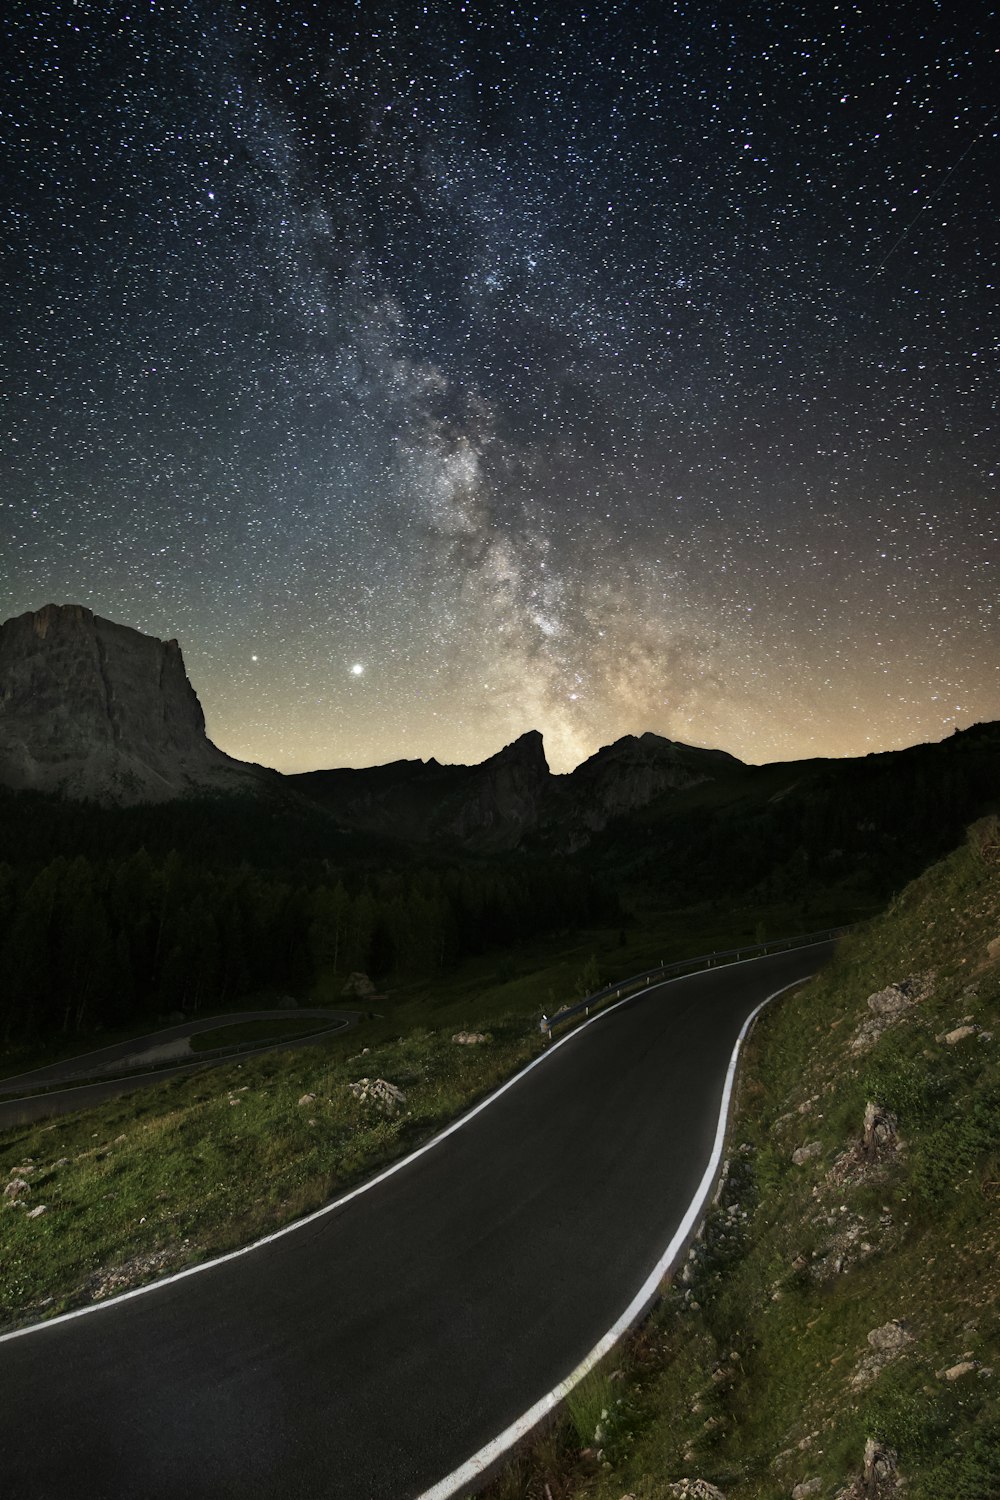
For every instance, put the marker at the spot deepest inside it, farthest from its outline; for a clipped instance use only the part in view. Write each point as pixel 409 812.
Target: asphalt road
pixel 148 1051
pixel 375 1349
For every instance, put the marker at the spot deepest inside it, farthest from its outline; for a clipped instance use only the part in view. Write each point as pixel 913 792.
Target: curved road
pixel 374 1349
pixel 110 1065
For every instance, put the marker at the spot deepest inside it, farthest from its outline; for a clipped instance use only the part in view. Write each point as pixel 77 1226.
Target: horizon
pixel 691 744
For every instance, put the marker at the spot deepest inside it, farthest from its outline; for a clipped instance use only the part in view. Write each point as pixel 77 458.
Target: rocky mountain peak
pixel 527 751
pixel 98 710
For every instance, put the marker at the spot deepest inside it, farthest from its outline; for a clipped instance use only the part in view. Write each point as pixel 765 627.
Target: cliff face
pixel 490 805
pixel 629 774
pixel 96 710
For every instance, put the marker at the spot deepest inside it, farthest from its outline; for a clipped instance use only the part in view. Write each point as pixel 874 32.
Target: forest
pixel 89 943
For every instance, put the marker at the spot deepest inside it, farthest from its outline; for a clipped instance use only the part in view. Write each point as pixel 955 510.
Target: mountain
pixel 625 776
pixel 94 710
pixel 491 805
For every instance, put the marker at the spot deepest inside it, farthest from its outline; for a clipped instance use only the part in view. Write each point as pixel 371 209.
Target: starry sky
pixel 436 372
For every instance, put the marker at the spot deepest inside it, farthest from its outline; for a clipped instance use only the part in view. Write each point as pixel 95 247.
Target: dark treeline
pixel 88 943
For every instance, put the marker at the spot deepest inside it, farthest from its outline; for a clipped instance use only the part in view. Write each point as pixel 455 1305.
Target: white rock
pixel 36 1213
pixel 378 1091
pixel 964 1367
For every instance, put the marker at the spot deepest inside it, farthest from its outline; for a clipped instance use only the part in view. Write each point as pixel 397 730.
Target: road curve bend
pixel 372 1349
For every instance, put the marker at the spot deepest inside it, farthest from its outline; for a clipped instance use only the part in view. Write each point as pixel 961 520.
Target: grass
pixel 755 1372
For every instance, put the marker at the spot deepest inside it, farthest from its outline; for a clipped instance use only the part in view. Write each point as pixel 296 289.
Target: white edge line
pixel 364 1187
pixel 475 1468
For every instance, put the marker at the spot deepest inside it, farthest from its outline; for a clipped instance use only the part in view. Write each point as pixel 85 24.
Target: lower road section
pixel 373 1350
pixel 128 1059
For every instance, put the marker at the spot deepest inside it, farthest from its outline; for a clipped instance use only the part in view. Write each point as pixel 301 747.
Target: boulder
pixel 378 1091
pixel 15 1189
pixel 891 1337
pixel 358 987
pixel 469 1038
pixel 964 1367
pixel 806 1153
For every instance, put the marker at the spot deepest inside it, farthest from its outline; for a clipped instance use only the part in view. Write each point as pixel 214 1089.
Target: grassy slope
pixel 748 1373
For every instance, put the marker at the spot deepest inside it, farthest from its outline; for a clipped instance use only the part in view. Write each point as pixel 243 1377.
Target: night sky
pixel 438 372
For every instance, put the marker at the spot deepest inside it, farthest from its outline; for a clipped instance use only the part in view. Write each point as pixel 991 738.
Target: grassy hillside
pixel 836 1330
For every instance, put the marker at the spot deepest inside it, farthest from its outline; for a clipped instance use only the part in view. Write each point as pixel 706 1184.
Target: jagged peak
pixel 527 749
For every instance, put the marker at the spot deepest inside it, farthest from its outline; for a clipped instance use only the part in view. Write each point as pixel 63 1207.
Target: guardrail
pixel 621 987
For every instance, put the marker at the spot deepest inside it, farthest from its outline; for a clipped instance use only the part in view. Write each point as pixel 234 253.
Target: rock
pixel 879 1130
pixel 806 1488
pixel 887 1343
pixel 378 1091
pixel 307 1098
pixel 15 1189
pixel 62 1162
pixel 95 710
pixel 888 1002
pixel 287 1002
pixel 807 1153
pixel 964 1367
pixel 694 1489
pixel 993 949
pixel 23 1171
pixel 880 1463
pixel 891 1337
pixel 889 1006
pixel 36 1213
pixel 358 987
pixel 469 1038
pixel 959 1035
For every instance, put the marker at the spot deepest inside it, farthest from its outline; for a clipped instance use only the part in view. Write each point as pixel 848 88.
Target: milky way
pixel 590 369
